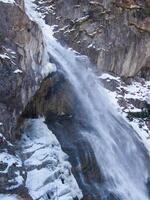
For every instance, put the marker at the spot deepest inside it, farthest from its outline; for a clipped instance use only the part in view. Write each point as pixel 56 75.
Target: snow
pixel 10 160
pixel 19 178
pixel 90 45
pixel 18 71
pixel 138 91
pixel 108 76
pixel 13 162
pixel 8 197
pixel 8 1
pixel 46 163
pixel 4 56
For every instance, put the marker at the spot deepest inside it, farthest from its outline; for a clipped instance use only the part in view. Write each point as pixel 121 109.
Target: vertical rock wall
pixel 21 51
pixel 114 34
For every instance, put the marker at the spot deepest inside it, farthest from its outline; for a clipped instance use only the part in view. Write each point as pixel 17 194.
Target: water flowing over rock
pixel 49 91
pixel 115 144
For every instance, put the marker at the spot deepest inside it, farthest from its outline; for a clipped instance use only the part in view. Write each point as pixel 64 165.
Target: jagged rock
pixel 48 170
pixel 113 34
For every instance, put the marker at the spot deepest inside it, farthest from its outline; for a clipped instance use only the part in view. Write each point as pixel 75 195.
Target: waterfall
pixel 118 151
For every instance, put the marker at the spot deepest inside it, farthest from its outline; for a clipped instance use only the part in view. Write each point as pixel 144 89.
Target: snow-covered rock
pixel 11 169
pixel 48 170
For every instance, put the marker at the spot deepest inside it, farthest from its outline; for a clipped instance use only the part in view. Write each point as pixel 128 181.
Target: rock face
pixel 21 49
pixel 114 34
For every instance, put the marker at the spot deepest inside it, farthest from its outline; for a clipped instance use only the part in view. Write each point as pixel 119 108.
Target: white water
pixel 117 150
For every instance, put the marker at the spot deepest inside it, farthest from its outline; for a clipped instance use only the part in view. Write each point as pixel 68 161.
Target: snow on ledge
pixel 8 1
pixel 109 76
pixel 18 71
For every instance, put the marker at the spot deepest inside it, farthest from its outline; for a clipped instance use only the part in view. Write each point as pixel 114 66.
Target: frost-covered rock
pixel 12 173
pixel 48 170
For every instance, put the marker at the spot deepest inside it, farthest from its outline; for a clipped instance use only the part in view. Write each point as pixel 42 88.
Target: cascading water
pixel 117 149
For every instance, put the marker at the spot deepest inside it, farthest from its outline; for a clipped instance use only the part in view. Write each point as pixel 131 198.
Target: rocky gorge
pixel 115 37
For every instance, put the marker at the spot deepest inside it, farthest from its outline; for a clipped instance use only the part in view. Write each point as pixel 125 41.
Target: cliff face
pixel 21 72
pixel 114 34
pixel 21 49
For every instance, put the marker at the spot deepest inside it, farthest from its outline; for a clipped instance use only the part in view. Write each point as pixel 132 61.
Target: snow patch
pixel 108 76
pixel 10 160
pixel 4 56
pixel 18 71
pixel 138 90
pixel 8 1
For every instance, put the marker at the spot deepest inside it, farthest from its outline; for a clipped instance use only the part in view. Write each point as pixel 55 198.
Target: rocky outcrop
pixel 21 49
pixel 12 172
pixel 114 34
